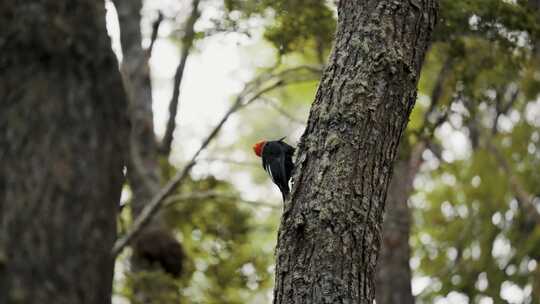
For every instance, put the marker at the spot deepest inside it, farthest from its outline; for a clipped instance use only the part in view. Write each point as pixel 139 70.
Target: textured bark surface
pixel 393 277
pixel 61 127
pixel 330 232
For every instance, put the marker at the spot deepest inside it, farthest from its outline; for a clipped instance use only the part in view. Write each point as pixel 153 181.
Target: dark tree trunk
pixel 393 271
pixel 330 233
pixel 62 123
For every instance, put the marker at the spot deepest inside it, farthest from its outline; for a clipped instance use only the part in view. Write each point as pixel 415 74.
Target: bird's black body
pixel 277 162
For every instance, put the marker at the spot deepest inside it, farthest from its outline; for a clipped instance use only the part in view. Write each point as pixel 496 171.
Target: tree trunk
pixel 155 248
pixel 393 270
pixel 330 233
pixel 62 126
pixel 144 175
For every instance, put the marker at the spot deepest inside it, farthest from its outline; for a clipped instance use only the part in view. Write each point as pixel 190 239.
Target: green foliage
pixel 458 242
pixel 297 26
pixel 531 80
pixel 300 23
pixel 474 225
pixel 469 226
pixel 224 241
pixel 495 20
pixel 159 287
pixel 228 248
pixel 473 235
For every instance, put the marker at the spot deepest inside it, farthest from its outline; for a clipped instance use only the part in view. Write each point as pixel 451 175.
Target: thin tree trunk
pixel 155 248
pixel 330 233
pixel 62 125
pixel 393 270
pixel 144 175
pixel 187 43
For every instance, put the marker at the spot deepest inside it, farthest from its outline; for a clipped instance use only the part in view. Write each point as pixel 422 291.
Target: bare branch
pixel 502 109
pixel 428 128
pixel 213 195
pixel 437 91
pixel 153 37
pixel 283 112
pixel 435 148
pixel 187 43
pixel 231 161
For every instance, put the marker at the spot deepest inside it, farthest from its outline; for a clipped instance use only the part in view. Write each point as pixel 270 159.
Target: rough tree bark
pixel 330 232
pixel 62 126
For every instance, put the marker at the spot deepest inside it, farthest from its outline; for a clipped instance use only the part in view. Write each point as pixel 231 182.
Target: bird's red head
pixel 258 147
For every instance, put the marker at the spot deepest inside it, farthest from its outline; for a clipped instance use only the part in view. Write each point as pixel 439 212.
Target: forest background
pixel 208 78
pixel 474 130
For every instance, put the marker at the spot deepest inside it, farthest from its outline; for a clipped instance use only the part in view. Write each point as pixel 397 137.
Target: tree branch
pixel 143 171
pixel 212 195
pixel 153 37
pixel 187 43
pixel 436 94
pixel 246 97
pixel 502 109
pixel 428 128
pixel 524 198
pixel 283 112
pixel 231 161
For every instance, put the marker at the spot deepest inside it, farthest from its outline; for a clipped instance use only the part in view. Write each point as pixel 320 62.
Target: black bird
pixel 277 162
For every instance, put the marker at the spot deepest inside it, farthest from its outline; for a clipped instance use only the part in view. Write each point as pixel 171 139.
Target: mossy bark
pixel 62 125
pixel 330 232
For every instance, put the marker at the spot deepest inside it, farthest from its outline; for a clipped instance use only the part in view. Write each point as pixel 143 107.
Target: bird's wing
pixel 288 148
pixel 276 170
pixel 287 161
pixel 289 165
pixel 268 170
pixel 264 163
